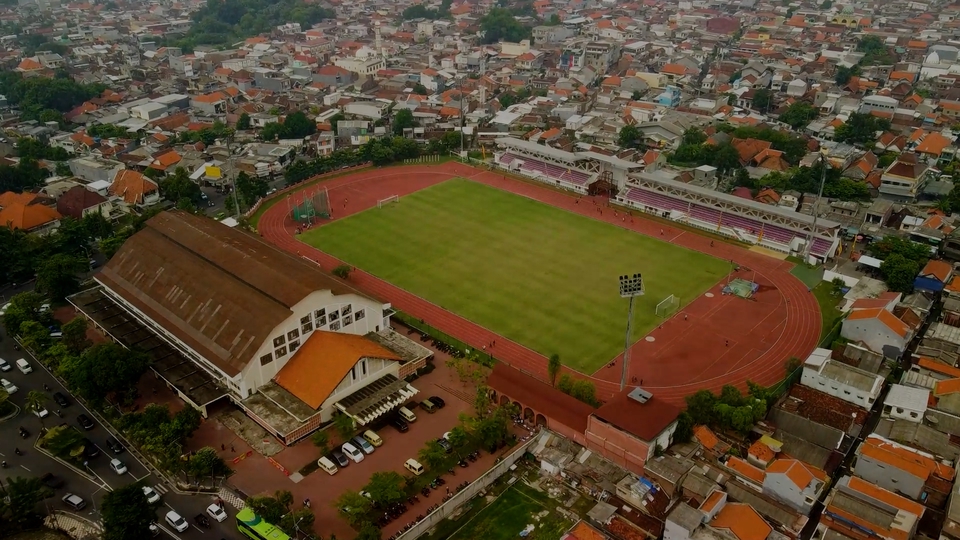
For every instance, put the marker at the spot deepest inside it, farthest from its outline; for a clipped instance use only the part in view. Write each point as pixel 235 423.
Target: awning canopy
pixel 869 261
pixel 376 399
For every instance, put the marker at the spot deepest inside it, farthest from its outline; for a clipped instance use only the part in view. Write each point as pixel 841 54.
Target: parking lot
pixel 256 475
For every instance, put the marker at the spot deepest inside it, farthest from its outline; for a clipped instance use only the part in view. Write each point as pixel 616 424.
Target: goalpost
pixel 391 199
pixel 668 306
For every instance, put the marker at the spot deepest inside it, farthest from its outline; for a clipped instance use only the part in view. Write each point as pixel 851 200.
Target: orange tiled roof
pixel 798 472
pixel 933 365
pixel 938 269
pixel 711 502
pixel 706 437
pixel 914 463
pixel 27 216
pixel 10 198
pixel 165 160
pixel 746 469
pixel 761 451
pixel 743 521
pixel 323 360
pixel 29 64
pixel 947 386
pixel 131 186
pixel 885 317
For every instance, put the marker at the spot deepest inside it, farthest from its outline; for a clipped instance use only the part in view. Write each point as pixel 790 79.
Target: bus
pixel 253 527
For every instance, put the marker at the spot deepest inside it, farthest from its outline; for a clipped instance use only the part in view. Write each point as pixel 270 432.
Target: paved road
pixel 34 463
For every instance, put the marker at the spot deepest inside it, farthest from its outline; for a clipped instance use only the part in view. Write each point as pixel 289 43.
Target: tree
pixel 297 126
pixel 180 186
pixel 432 455
pixel 860 128
pixel 206 463
pixel 353 506
pixel 684 431
pixel 762 99
pixel 96 225
pixel 271 507
pixel 481 401
pixel 798 115
pixel 321 439
pixel 250 189
pixel 23 307
pixel 500 25
pixel 385 488
pixel 458 437
pixel 581 389
pixel 694 135
pixel 75 335
pixel 334 120
pixel 553 368
pixel 368 531
pixel 894 245
pixel 71 237
pixel 24 496
pixel 244 121
pixel 344 425
pixel 57 276
pixel 402 120
pixel 34 336
pixel 843 74
pixel 297 521
pixel 62 168
pixel 629 136
pixel 899 272
pixel 421 90
pixel 126 513
pixel 700 406
pixel 105 368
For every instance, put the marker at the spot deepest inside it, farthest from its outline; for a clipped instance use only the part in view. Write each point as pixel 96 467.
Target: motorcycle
pixel 463 464
pixel 24 433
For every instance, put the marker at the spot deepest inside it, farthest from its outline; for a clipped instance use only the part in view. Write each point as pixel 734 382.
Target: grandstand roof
pixel 556 153
pixel 733 199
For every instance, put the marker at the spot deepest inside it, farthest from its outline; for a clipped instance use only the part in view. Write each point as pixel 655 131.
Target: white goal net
pixel 668 306
pixel 391 199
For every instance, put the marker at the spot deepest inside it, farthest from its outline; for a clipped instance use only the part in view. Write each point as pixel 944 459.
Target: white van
pixel 24 366
pixel 352 452
pixel 327 465
pixel 413 466
pixel 407 414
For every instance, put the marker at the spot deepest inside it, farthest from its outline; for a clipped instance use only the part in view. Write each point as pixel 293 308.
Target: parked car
pixel 438 402
pixel 4 365
pixel 61 399
pixel 340 457
pixel 363 444
pixel 399 424
pixel 118 466
pixel 74 501
pixel 352 452
pixel 85 422
pixel 114 445
pixel 447 447
pixel 41 412
pixel 217 513
pixel 8 386
pixel 152 496
pixel 176 521
pixel 90 450
pixel 51 481
pixel 428 406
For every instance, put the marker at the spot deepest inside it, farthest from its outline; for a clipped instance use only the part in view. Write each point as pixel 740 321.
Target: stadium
pixel 523 268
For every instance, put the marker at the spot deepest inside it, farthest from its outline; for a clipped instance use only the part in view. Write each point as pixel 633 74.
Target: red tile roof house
pixel 79 201
pixel 879 329
pixel 626 430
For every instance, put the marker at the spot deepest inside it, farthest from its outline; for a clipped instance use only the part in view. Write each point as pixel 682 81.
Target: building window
pixel 279 340
pixel 899 410
pixel 353 373
pixel 334 316
pixel 321 322
pixel 363 367
pixel 293 334
pixel 305 320
pixel 358 315
pixel 334 326
pixel 266 359
pixel 347 320
pixel 281 352
pixel 346 309
pixel 294 345
pixel 306 328
pixel 913 415
pixel 320 313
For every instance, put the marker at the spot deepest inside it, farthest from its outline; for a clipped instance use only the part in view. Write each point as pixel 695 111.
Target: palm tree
pixel 36 401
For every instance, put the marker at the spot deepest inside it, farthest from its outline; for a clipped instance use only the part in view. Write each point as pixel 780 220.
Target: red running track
pixel 715 340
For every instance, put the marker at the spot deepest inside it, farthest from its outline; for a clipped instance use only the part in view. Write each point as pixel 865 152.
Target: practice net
pixel 391 199
pixel 741 287
pixel 668 306
pixel 309 207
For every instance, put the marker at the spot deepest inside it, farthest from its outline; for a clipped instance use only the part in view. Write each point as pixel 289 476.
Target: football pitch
pixel 543 277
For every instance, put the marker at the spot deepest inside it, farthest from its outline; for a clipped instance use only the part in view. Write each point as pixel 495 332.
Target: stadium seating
pixel 507 158
pixel 746 228
pixel 553 171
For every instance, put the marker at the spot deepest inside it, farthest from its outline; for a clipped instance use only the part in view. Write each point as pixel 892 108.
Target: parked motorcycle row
pixel 437 344
pixel 398 509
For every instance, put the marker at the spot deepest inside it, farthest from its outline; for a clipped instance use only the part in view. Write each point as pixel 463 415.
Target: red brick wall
pixel 566 431
pixel 410 367
pixel 615 445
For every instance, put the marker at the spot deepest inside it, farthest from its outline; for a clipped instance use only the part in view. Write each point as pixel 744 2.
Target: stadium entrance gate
pixel 603 185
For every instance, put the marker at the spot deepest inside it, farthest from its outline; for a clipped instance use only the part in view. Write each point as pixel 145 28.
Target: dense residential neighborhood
pixel 170 298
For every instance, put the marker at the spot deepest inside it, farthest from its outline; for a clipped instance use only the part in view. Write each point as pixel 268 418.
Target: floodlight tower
pixel 630 287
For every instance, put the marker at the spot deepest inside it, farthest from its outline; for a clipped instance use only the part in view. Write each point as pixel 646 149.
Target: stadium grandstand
pixel 582 172
pixel 776 228
pixel 749 221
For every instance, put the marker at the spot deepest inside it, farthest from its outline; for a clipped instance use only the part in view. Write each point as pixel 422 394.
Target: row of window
pixel 289 343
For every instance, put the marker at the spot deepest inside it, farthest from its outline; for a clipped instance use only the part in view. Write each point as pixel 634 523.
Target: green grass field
pixel 516 508
pixel 535 274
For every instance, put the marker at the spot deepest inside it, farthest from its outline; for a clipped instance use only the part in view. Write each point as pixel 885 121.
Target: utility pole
pixel 816 209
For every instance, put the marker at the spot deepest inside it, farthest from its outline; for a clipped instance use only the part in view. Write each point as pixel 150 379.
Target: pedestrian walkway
pixel 161 488
pixel 231 498
pixel 75 526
